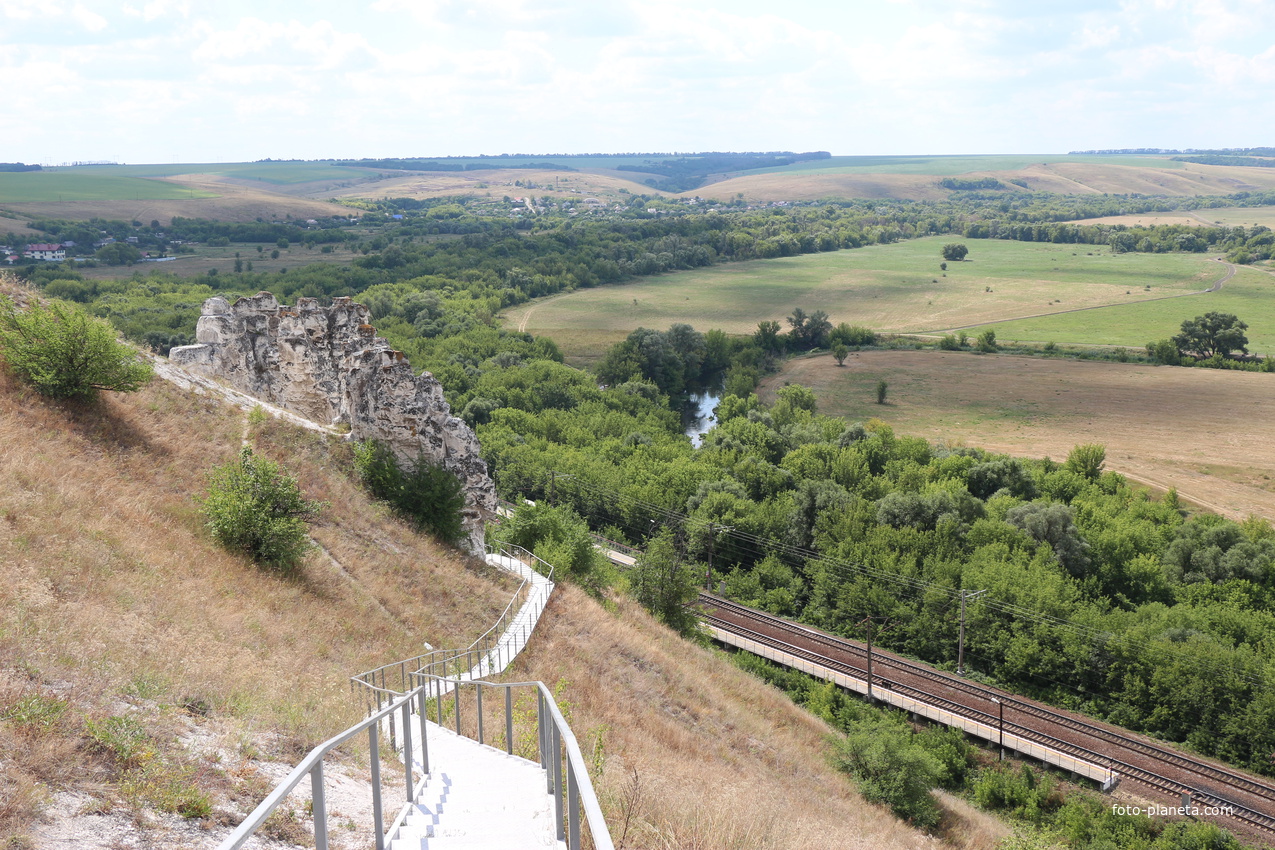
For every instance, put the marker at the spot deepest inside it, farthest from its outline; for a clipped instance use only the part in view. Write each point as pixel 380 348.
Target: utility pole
pixel 870 621
pixel 960 647
pixel 712 538
pixel 1000 705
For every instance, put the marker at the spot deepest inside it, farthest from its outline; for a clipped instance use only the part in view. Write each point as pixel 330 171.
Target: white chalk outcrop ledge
pixel 327 365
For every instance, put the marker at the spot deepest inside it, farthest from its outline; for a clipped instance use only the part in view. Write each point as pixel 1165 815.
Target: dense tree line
pixel 1100 598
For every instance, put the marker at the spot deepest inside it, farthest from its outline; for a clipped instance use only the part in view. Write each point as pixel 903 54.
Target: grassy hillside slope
pixel 143 671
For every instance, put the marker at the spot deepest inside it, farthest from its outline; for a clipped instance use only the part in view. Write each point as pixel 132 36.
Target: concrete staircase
pixel 478 797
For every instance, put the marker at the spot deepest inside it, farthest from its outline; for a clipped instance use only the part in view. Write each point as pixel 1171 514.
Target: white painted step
pixel 478 797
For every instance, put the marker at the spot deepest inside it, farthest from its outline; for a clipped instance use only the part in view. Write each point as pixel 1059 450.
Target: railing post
pixel 509 720
pixel 573 809
pixel 420 697
pixel 378 819
pixel 456 694
pixel 319 807
pixel 438 701
pixel 557 778
pixel 480 712
pixel 407 747
pixel 543 741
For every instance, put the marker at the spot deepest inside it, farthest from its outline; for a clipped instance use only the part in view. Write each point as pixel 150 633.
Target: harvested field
pixel 1051 174
pixel 1206 432
pixel 497 183
pixel 1228 216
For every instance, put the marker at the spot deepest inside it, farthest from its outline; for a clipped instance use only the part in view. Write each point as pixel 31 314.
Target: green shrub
pixel 560 537
pixel 1020 793
pixel 65 353
pixel 425 494
pixel 893 769
pixel 254 508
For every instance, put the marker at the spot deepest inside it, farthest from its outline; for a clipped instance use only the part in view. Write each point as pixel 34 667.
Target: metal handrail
pixel 567 782
pixel 482 645
pixel 312 765
pixel 552 738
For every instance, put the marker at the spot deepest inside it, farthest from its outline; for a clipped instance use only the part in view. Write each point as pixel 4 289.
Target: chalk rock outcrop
pixel 327 364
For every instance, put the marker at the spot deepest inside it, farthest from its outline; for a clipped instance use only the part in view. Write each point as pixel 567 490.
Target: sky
pixel 156 81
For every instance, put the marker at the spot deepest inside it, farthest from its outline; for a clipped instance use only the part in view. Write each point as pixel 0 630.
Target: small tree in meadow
pixel 882 388
pixel 65 353
pixel 839 353
pixel 254 508
pixel 424 494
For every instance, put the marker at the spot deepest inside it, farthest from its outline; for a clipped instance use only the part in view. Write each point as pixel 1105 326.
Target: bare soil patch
pixel 1206 432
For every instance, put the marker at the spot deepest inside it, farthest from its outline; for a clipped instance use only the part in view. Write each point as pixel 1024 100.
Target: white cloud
pixel 87 18
pixel 25 10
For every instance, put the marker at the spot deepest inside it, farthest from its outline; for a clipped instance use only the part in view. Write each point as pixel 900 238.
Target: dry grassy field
pixel 1053 175
pixel 1207 432
pixel 496 183
pixel 1229 216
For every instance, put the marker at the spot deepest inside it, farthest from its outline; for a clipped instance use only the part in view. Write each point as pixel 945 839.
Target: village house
pixel 45 251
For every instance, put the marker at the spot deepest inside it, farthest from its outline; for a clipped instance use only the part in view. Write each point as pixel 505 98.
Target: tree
pixel 891 768
pixel 987 342
pixel 254 508
pixel 118 254
pixel 665 583
pixel 1087 460
pixel 65 353
pixel 1213 334
pixel 425 494
pixel 767 337
pixel 882 388
pixel 955 251
pixel 1164 352
pixel 839 353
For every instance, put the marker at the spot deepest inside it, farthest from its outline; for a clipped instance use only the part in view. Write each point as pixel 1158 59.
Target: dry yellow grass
pixel 722 760
pixel 114 594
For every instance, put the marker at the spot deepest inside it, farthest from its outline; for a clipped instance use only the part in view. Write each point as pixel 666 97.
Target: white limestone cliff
pixel 328 365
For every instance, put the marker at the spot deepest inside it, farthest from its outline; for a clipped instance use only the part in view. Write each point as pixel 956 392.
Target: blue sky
pixel 170 81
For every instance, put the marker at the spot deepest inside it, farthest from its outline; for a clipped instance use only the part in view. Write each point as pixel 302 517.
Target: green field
pixel 1249 295
pixel 281 173
pixel 951 165
pixel 87 184
pixel 893 288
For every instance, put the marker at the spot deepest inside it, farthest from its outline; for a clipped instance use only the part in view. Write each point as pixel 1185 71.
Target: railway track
pixel 1249 800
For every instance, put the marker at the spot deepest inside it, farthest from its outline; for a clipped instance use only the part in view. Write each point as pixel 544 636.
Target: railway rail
pixel 1249 800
